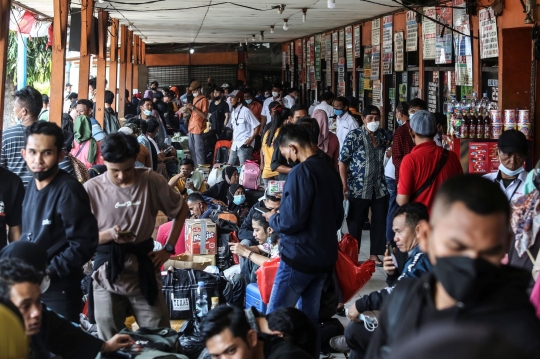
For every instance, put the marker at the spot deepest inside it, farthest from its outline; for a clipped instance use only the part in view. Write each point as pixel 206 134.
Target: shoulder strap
pixel 434 175
pixel 81 148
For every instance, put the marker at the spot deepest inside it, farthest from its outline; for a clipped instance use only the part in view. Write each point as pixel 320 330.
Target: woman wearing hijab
pixel 219 190
pixel 85 148
pixel 236 201
pixel 328 142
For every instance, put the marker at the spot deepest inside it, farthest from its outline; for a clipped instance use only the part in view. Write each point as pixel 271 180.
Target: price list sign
pixel 429 33
pixel 432 97
pixel 489 43
pixel 412 31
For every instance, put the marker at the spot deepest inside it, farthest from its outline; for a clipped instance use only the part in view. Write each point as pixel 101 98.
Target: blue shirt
pixel 365 162
pixel 97 132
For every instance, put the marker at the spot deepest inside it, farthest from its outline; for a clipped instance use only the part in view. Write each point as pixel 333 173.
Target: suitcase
pixel 253 298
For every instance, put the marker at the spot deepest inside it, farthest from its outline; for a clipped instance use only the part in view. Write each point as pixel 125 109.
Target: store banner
pixel 412 32
pixel 489 42
pixel 284 60
pixel 341 47
pixel 398 54
pixel 328 73
pixel 357 42
pixel 429 33
pixel 377 93
pixel 328 47
pixel 367 57
pixel 367 79
pixel 312 51
pixel 443 42
pixel 335 48
pixel 341 77
pixel 387 56
pixel 349 47
pixel 308 53
pixel 375 62
pixel 318 57
pixel 305 69
pixel 300 56
pixel 376 32
pixel 462 45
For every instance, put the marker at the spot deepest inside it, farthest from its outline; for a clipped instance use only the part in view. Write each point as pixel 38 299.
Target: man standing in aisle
pixel 245 128
pixel 308 245
pixel 147 113
pixel 252 104
pixel 266 115
pixel 219 110
pixel 326 104
pixel 85 108
pixel 26 107
pixel 290 100
pixel 345 121
pixel 57 217
pixel 361 167
pixel 125 201
pixel 197 123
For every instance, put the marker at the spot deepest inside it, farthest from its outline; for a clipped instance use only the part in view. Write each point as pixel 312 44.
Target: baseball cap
pixel 68 84
pixel 512 141
pixel 237 94
pixel 225 85
pixel 195 85
pixel 424 123
pixel 126 130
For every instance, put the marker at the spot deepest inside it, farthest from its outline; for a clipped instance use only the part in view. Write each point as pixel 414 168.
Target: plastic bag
pixel 535 298
pixel 191 340
pixel 344 227
pixel 215 176
pixel 352 276
pixel 349 246
pixel 266 274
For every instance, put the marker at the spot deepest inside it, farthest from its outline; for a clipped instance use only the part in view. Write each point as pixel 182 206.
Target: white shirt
pixel 312 107
pixel 243 123
pixel 389 168
pixel 153 144
pixel 288 101
pixel 515 189
pixel 326 108
pixel 345 124
pixel 265 111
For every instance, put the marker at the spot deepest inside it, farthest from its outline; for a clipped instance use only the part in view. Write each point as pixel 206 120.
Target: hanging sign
pixel 304 70
pixel 429 32
pixel 328 73
pixel 387 55
pixel 367 79
pixel 375 61
pixel 300 55
pixel 357 49
pixel 285 59
pixel 318 57
pixel 376 32
pixel 462 45
pixel 328 47
pixel 412 32
pixel 377 93
pixel 341 47
pixel 341 77
pixel 367 57
pixel 308 53
pixel 349 47
pixel 489 43
pixel 443 42
pixel 398 54
pixel 335 48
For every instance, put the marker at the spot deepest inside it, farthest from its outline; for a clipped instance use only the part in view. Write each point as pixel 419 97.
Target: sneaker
pixel 339 344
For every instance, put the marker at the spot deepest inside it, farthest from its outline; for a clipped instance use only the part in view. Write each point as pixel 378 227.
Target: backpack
pixel 80 170
pixel 251 175
pixel 227 216
pixel 225 229
pixel 222 155
pixel 110 121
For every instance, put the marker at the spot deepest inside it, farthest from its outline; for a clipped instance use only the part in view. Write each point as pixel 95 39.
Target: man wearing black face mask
pixel 57 217
pixel 466 238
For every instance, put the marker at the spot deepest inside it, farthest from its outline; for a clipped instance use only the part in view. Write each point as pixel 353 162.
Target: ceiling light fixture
pixel 191 49
pixel 331 4
pixel 130 26
pixel 253 37
pixel 261 36
pixel 280 8
pixel 304 10
pixel 285 24
pixel 246 41
pixel 272 29
pixel 240 44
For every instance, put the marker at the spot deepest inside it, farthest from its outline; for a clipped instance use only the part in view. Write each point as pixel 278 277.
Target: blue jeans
pixel 392 206
pixel 292 286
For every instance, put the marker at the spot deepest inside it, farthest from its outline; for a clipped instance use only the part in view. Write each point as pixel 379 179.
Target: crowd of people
pixel 456 248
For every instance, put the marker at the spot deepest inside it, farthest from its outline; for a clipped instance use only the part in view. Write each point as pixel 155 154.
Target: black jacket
pixel 246 229
pixel 504 307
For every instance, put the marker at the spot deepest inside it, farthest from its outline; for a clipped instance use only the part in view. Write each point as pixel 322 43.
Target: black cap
pixel 28 252
pixel 68 84
pixel 513 141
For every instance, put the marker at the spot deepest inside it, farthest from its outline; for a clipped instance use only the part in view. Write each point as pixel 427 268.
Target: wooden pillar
pixel 103 18
pixel 58 67
pixel 5 8
pixel 87 9
pixel 143 53
pixel 136 42
pixel 113 64
pixel 129 62
pixel 122 79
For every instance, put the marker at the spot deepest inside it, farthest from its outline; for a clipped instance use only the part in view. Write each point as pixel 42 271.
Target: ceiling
pixel 169 21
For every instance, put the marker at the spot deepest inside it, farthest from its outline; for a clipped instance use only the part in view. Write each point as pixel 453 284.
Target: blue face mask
pixel 238 200
pixel 399 122
pixel 147 112
pixel 510 173
pixel 338 112
pixel 249 101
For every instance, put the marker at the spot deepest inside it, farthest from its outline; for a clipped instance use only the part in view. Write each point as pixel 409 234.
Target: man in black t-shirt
pixel 226 332
pixel 11 199
pixel 219 110
pixel 58 218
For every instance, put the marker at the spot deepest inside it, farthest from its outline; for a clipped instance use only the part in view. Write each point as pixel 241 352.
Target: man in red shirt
pixel 416 180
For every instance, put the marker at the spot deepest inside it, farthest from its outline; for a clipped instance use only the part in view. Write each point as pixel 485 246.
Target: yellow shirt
pixel 268 152
pixel 180 186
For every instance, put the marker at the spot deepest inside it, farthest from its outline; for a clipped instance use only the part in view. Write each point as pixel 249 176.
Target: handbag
pixel 81 172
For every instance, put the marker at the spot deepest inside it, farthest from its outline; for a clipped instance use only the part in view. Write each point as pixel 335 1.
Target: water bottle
pixel 484 103
pixel 474 102
pixel 201 303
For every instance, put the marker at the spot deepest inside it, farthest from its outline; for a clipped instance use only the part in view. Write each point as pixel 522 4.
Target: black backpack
pixel 222 155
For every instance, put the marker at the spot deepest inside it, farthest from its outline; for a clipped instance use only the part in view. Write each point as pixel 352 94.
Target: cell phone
pixel 189 180
pixel 262 209
pixel 391 251
pixel 126 234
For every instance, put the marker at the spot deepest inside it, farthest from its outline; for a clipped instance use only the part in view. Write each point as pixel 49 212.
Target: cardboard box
pixel 190 261
pixel 161 218
pixel 201 236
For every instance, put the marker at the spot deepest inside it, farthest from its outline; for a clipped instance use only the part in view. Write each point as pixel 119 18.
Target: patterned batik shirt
pixel 365 164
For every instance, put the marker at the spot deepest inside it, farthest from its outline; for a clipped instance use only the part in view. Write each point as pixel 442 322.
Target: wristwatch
pixel 169 248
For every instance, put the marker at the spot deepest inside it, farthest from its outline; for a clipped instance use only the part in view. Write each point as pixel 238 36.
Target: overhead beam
pixel 103 18
pixel 5 8
pixel 113 65
pixel 122 78
pixel 58 65
pixel 87 9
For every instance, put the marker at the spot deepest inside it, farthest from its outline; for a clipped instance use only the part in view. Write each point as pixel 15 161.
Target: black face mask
pixel 217 98
pixel 43 175
pixel 154 88
pixel 465 279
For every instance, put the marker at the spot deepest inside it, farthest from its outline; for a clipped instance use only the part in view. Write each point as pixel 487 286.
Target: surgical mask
pixel 338 111
pixel 249 101
pixel 373 126
pixel 510 173
pixel 147 112
pixel 239 199
pixel 399 122
pixel 464 278
pixel 43 175
pixel 275 94
pixel 17 119
pixel 195 94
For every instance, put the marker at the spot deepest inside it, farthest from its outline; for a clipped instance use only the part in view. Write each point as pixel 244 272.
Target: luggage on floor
pixel 250 175
pixel 221 151
pixel 330 328
pixel 163 339
pixel 266 274
pixel 224 257
pixel 191 340
pixel 253 298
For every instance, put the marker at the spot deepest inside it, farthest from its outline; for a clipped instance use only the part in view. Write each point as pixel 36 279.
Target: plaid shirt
pixel 403 145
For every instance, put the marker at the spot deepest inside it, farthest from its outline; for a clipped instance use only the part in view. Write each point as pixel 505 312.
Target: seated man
pixel 226 332
pixel 466 239
pixel 49 333
pixel 406 228
pixel 245 234
pixel 188 180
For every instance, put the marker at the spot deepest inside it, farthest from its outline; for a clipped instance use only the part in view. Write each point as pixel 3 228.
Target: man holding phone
pixel 188 180
pixel 125 202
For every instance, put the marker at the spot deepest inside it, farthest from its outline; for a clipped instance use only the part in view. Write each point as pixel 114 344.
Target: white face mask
pixel 195 94
pixel 373 126
pixel 275 94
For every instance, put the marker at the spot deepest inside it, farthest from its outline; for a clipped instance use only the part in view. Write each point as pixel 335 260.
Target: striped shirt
pixel 11 158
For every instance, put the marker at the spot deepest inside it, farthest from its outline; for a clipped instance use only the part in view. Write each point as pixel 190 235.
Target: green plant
pixel 38 61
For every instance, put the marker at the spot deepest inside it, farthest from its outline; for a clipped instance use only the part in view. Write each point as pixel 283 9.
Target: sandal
pixel 378 262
